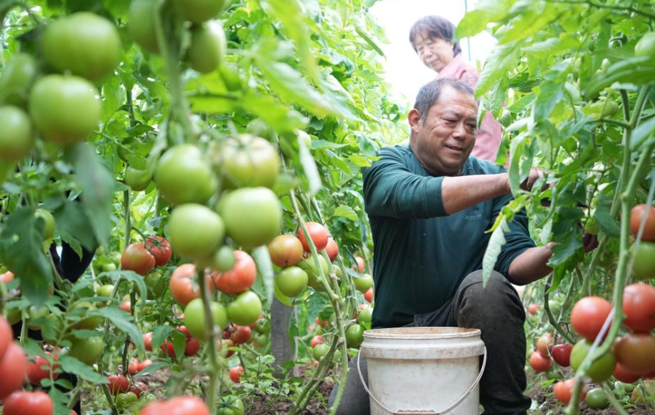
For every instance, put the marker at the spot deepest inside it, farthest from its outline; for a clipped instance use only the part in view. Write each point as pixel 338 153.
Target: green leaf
pixel 643 135
pixel 123 321
pixel 346 212
pixel 368 40
pixel 97 185
pixel 501 61
pixel 73 225
pixel 636 71
pixel 265 269
pixel 280 117
pixel 495 246
pixel 484 13
pixel 549 95
pixel 71 365
pixel 309 167
pixel 21 252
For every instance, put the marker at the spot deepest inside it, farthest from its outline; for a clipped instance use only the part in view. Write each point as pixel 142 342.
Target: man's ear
pixel 414 119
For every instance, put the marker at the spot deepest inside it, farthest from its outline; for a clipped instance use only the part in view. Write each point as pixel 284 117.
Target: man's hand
pixel 589 242
pixel 534 175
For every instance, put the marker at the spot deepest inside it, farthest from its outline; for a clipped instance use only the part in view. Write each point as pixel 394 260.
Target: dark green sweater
pixel 422 254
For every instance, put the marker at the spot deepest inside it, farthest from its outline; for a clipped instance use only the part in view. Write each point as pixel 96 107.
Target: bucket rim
pixel 422 333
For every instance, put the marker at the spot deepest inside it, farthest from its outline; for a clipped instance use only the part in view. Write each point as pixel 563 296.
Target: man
pixel 429 206
pixel 433 39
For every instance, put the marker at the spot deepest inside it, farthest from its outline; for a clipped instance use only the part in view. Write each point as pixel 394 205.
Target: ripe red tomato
pixel 332 249
pixel 126 306
pixel 320 322
pixel 241 334
pixel 285 250
pixel 636 353
pixel 192 347
pixel 40 369
pixel 318 339
pixel 589 315
pixel 368 295
pixel 539 362
pixel 13 368
pixel 28 403
pixel 636 215
pixel 624 376
pixel 137 258
pixel 133 367
pixel 545 344
pixel 240 278
pixel 561 354
pixel 235 373
pixel 533 308
pixel 182 285
pixel 6 336
pixel 144 363
pixel 147 341
pixel 179 405
pixel 223 347
pixel 317 232
pixel 564 390
pixel 118 384
pixel 159 248
pixel 639 307
pixel 360 264
pixel 138 388
pixel 7 277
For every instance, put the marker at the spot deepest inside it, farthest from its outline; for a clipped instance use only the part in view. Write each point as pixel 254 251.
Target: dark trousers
pixel 497 311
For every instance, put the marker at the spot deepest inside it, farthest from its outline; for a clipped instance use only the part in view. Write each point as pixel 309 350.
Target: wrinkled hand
pixel 589 241
pixel 534 175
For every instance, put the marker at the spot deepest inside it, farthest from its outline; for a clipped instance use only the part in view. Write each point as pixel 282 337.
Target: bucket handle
pixel 430 412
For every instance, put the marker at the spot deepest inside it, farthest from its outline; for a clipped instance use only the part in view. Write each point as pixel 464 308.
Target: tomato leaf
pixel 265 269
pixel 122 320
pixel 484 13
pixel 346 212
pixel 71 365
pixel 643 135
pixel 502 60
pixel 309 166
pixel 22 234
pixel 495 246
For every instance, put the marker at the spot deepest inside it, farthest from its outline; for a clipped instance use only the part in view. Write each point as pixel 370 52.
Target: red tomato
pixel 179 405
pixel 360 264
pixel 623 375
pixel 7 277
pixel 143 364
pixel 40 369
pixel 285 251
pixel 636 353
pixel 28 403
pixel 147 341
pixel 13 368
pixel 318 339
pixel 6 336
pixel 118 384
pixel 332 249
pixel 192 347
pixel 533 308
pixel 136 258
pixel 317 232
pixel 159 248
pixel 133 367
pixel 240 278
pixel 564 389
pixel 183 286
pixel 241 334
pixel 561 354
pixel 320 322
pixel 138 388
pixel 223 347
pixel 636 216
pixel 545 343
pixel 368 295
pixel 126 306
pixel 639 307
pixel 589 315
pixel 539 362
pixel 235 373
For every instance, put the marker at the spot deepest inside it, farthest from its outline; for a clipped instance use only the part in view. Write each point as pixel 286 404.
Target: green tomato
pixel 230 75
pixel 365 316
pixel 207 49
pixel 123 400
pixel 245 309
pixel 157 284
pixel 36 313
pixel 17 79
pixel 138 180
pixel 182 176
pixel 195 231
pixel 601 369
pixel 355 335
pixel 260 339
pixel 194 317
pixel 13 314
pixel 252 216
pixel 141 24
pixel 224 259
pixel 105 290
pixel 320 350
pixel 247 161
pixel 16 135
pixel 49 223
pixel 230 406
pixel 291 281
pixel 263 326
pixel 644 265
pixel 198 11
pixel 87 350
pixel 555 307
pixel 646 46
pixel 596 399
pixel 309 266
pixel 83 43
pixel 364 283
pixel 64 109
pixel 88 323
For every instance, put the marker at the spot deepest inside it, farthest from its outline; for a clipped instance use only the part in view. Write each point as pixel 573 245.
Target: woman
pixel 432 37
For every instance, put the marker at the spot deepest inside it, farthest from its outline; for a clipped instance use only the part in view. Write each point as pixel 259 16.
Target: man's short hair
pixel 436 27
pixel 430 92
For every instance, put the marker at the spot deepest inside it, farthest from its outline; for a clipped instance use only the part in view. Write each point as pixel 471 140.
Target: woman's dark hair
pixel 436 27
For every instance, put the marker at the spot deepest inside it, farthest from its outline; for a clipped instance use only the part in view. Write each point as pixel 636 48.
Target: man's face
pixel 443 143
pixel 435 53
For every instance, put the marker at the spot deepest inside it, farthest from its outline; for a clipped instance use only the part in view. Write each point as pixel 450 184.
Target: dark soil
pixel 264 405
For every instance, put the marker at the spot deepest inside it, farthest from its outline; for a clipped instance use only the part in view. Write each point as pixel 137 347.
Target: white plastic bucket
pixel 423 370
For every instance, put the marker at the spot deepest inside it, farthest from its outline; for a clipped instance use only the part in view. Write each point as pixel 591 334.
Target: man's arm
pixel 462 192
pixel 531 265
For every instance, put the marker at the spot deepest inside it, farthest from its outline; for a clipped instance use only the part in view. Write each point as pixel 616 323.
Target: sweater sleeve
pixel 517 239
pixel 391 189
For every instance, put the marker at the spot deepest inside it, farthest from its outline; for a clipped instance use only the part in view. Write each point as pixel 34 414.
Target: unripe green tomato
pixel 601 369
pixel 263 326
pixel 207 49
pixel 355 335
pixel 230 405
pixel 17 79
pixel 198 11
pixel 291 281
pixel 245 309
pixel 320 350
pixel 224 259
pixel 125 399
pixel 230 75
pixel 141 24
pixel 157 284
pixel 260 339
pixel 194 318
pixel 87 350
pixel 13 315
pixel 364 283
pixel 36 313
pixel 555 307
pixel 49 223
pixel 309 266
pixel 109 267
pixel 195 231
pixel 252 215
pixel 138 180
pixel 596 399
pixel 183 176
pixel 646 46
pixel 16 134
pixel 105 290
pixel 88 323
pixel 365 316
pixel 644 264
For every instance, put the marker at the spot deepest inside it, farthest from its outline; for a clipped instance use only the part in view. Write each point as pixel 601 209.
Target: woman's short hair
pixel 436 27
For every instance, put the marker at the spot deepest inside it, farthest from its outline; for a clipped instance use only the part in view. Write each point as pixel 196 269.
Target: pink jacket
pixel 489 134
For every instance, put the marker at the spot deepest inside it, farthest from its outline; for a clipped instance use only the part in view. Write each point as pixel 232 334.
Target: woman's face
pixel 435 53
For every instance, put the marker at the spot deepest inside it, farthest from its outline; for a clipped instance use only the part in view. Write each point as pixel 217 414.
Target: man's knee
pixel 496 296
